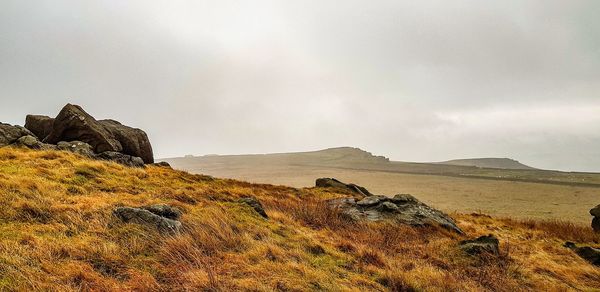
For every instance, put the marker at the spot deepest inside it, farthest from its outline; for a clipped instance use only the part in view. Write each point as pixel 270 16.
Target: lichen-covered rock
pixel 145 217
pixel 121 158
pixel 256 205
pixel 162 164
pixel 78 147
pixel 484 244
pixel 9 134
pixel 334 183
pixel 404 209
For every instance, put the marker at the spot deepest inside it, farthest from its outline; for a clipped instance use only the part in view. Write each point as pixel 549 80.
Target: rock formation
pixel 76 131
pixel 403 208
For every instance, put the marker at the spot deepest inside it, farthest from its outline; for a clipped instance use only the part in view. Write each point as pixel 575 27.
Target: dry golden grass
pixel 57 233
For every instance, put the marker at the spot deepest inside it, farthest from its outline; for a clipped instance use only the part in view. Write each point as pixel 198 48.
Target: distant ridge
pixel 500 163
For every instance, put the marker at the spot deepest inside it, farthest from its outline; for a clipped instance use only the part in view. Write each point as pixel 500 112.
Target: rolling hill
pixel 500 163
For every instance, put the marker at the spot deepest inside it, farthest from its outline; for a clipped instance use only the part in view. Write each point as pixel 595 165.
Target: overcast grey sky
pixel 412 80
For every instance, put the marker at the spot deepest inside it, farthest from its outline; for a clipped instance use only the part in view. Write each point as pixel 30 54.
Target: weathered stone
pixel 134 141
pixel 164 211
pixel 256 205
pixel 29 142
pixel 595 211
pixel 9 134
pixel 334 183
pixel 74 124
pixel 147 218
pixel 121 158
pixel 483 244
pixel 78 147
pixel 403 209
pixel 588 253
pixel 39 125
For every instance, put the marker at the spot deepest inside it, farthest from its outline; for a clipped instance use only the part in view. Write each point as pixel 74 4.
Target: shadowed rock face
pixel 73 123
pixel 134 141
pixel 404 209
pixel 334 183
pixel 121 158
pixel 39 125
pixel 588 253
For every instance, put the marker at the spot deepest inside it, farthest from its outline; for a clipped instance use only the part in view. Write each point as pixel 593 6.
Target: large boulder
pixel 9 134
pixel 404 209
pixel 39 125
pixel 148 218
pixel 595 211
pixel 73 123
pixel 33 142
pixel 121 158
pixel 134 141
pixel 336 184
pixel 590 254
pixel 484 244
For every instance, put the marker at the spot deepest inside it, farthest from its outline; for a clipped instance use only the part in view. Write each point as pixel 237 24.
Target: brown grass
pixel 57 233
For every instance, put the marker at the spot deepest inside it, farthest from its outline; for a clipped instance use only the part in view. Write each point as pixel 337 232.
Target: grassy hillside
pixel 57 233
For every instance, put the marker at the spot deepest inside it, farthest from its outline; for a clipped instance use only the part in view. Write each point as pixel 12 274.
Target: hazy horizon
pixel 413 81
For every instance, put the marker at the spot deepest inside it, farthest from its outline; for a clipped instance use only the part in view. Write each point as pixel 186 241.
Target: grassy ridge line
pixel 563 183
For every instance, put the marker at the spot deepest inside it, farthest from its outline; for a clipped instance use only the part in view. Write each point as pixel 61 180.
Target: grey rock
pixel 134 141
pixel 483 244
pixel 9 134
pixel 74 124
pixel 144 217
pixel 334 183
pixel 404 209
pixel 121 158
pixel 595 211
pixel 29 142
pixel 164 211
pixel 371 201
pixel 41 126
pixel 256 205
pixel 590 254
pixel 78 147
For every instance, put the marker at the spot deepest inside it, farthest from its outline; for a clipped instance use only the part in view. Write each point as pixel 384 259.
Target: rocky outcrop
pixel 164 211
pixel 77 131
pixel 404 209
pixel 39 125
pixel 336 184
pixel 484 244
pixel 133 141
pixel 162 164
pixel 588 253
pixel 121 158
pixel 596 220
pixel 9 134
pixel 74 124
pixel 256 205
pixel 148 218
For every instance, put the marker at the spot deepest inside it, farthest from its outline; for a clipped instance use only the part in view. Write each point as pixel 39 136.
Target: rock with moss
pixel 9 134
pixel 255 204
pixel 487 244
pixel 148 218
pixel 336 184
pixel 588 253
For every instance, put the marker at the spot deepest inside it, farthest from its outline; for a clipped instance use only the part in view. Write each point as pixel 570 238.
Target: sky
pixel 410 80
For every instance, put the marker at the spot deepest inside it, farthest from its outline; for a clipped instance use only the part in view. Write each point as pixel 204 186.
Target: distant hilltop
pixel 501 163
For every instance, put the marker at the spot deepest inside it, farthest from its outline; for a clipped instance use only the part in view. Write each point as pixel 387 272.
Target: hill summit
pixel 500 163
